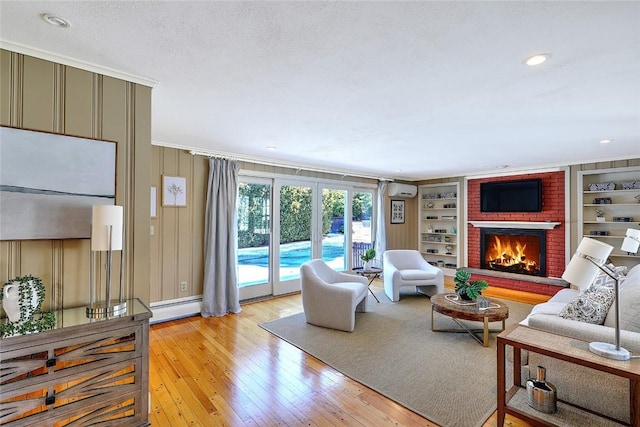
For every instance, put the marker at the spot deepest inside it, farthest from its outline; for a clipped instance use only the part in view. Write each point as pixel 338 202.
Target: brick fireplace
pixel 532 272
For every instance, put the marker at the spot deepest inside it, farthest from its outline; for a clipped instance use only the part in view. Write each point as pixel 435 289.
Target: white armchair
pixel 404 267
pixel 330 299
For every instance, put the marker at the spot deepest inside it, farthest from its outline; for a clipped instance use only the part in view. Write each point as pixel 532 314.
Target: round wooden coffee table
pixel 446 304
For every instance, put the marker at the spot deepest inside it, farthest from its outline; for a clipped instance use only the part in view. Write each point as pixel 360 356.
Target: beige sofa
pixel 599 392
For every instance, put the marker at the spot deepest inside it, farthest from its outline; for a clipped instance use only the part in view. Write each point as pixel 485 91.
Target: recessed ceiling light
pixel 56 21
pixel 537 59
pixel 271 148
pixel 502 166
pixel 606 141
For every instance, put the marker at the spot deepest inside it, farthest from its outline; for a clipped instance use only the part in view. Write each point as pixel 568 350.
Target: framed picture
pixel 174 191
pixel 397 212
pixel 49 183
pixel 153 202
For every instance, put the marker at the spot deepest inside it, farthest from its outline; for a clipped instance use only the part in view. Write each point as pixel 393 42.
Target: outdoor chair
pixel 330 299
pixel 404 267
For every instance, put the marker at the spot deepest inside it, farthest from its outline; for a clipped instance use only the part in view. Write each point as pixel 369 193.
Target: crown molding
pixel 266 161
pixel 71 62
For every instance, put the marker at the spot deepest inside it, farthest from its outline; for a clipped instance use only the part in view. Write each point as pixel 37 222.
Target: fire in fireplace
pixel 520 251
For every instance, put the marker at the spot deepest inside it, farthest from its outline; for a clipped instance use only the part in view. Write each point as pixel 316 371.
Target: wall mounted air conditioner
pixel 401 190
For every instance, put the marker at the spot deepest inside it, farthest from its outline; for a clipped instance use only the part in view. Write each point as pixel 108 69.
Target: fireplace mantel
pixel 546 225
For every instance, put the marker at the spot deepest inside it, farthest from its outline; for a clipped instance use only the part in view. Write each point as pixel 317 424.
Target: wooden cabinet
pixel 439 222
pixel 603 192
pixel 83 372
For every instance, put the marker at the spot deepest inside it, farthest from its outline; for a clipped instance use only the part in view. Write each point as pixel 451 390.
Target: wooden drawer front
pixel 47 362
pixel 105 392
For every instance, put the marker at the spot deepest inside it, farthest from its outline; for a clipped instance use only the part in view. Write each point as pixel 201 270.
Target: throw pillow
pixel 603 279
pixel 590 306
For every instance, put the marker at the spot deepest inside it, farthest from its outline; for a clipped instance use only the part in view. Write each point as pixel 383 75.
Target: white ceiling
pixel 405 90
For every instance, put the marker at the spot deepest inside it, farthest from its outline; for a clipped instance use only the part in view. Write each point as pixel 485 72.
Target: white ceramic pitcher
pixel 11 300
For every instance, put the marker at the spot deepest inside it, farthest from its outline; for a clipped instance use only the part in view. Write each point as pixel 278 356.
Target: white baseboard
pixel 176 309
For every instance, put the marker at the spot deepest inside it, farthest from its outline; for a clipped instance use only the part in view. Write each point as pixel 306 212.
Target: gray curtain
pixel 381 228
pixel 221 295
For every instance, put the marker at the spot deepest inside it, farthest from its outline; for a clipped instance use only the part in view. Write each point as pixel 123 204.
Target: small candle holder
pixel 482 303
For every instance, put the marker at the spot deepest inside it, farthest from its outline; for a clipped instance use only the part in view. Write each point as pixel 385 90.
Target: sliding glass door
pixel 334 227
pixel 282 223
pixel 295 233
pixel 362 233
pixel 254 238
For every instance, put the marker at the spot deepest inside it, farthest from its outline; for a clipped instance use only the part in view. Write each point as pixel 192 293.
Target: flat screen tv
pixel 511 196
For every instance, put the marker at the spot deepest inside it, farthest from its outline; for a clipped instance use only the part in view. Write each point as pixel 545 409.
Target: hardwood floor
pixel 227 371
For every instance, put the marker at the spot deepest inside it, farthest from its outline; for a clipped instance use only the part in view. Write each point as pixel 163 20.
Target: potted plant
pixel 466 289
pixel 21 299
pixel 367 258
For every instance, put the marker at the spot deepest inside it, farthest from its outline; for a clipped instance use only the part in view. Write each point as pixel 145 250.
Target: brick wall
pixel 553 209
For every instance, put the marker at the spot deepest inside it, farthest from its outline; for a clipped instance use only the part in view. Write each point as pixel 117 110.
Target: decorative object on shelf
pixel 622 219
pixel 431 217
pixel 107 235
pixel 367 258
pixel 602 186
pixel 453 229
pixel 22 299
pixel 449 195
pixel 599 233
pixel 449 206
pixel 631 185
pixel 440 230
pixel 448 248
pixel 448 217
pixel 602 201
pixel 541 394
pixel 429 205
pixel 600 215
pixel 397 212
pixel 583 268
pixel 429 228
pixel 440 263
pixel 467 289
pixel 447 239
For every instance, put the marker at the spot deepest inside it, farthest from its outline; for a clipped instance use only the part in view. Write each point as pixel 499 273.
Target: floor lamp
pixel 107 235
pixel 583 268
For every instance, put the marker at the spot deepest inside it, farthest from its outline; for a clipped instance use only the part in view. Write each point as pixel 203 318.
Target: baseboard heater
pixel 175 309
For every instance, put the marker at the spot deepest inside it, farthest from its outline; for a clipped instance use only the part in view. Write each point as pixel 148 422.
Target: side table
pixel 372 274
pixel 513 400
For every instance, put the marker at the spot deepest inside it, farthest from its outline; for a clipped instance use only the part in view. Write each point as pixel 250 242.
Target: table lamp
pixel 583 268
pixel 107 235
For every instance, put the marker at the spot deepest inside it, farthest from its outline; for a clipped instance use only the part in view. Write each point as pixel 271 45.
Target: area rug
pixel 448 378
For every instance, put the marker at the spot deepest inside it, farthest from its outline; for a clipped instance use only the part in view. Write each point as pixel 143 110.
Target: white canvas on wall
pixel 49 182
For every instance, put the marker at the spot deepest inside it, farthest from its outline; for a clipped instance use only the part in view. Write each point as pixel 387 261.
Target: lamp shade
pixel 580 271
pixel 102 217
pixel 632 241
